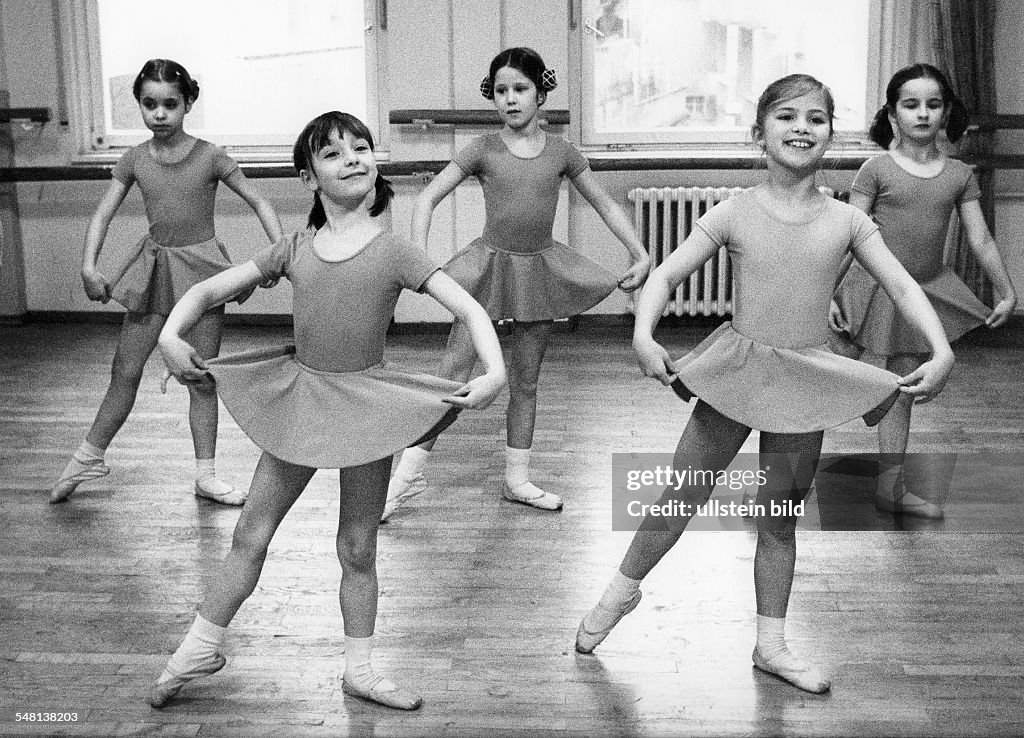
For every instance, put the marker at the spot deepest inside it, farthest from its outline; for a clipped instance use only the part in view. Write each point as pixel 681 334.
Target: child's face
pixel 515 97
pixel 796 133
pixel 920 112
pixel 163 107
pixel 344 169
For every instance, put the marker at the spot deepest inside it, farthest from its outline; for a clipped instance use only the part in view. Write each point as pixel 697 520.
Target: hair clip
pixel 487 88
pixel 548 81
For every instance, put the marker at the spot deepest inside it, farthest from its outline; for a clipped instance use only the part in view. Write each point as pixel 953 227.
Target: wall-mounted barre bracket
pixel 425 118
pixel 24 115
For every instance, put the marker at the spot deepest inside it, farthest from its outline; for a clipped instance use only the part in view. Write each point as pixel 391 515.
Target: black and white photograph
pixel 511 367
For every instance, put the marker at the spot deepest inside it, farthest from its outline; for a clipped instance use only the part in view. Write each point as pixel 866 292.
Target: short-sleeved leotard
pixel 330 400
pixel 770 368
pixel 516 269
pixel 913 216
pixel 181 248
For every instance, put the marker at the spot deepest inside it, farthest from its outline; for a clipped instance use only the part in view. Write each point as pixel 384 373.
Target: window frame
pixel 886 22
pixel 79 25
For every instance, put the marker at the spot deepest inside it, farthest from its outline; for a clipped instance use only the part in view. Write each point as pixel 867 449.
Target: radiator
pixel 663 217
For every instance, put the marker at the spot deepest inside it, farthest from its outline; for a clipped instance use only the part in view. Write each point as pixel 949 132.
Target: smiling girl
pixel 770 368
pixel 329 401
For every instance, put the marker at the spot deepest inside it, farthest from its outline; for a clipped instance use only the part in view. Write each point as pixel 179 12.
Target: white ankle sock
pixel 771 636
pixel 412 462
pixel 203 640
pixel 358 669
pixel 89 454
pixel 517 466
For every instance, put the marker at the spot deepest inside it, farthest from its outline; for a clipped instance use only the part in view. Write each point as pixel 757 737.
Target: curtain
pixel 964 41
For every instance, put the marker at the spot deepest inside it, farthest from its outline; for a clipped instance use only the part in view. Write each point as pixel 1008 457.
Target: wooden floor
pixel 919 623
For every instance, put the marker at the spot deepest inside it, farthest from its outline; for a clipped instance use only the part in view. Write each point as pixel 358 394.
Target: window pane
pixel 696 67
pixel 264 67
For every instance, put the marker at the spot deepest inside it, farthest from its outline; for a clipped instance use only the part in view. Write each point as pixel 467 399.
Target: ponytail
pixel 958 120
pixel 384 193
pixel 317 216
pixel 880 130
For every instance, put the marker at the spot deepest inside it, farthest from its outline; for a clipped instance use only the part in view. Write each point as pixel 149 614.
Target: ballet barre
pixel 425 168
pixel 424 118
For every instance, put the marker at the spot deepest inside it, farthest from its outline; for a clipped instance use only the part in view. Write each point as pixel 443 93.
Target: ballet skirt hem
pixel 782 390
pixel 326 419
pixel 875 324
pixel 553 282
pixel 157 277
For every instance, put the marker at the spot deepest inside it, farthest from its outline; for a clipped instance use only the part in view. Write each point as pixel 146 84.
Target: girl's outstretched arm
pixel 260 205
pixel 929 379
pixel 182 360
pixel 692 253
pixel 96 285
pixel 587 185
pixel 436 190
pixel 985 251
pixel 480 392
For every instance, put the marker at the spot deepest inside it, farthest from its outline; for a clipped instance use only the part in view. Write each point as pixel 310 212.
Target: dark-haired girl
pixel 516 269
pixel 329 401
pixel 911 192
pixel 178 175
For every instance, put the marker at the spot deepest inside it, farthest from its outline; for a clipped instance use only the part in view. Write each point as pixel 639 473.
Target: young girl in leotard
pixel 911 192
pixel 516 269
pixel 178 175
pixel 329 401
pixel 771 367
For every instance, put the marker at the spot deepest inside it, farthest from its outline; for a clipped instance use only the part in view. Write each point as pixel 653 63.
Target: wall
pixel 426 41
pixel 1009 53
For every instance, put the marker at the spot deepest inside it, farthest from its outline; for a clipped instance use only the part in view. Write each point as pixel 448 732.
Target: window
pixel 264 67
pixel 690 71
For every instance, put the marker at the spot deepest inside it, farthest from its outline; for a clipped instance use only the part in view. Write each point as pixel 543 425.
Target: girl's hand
pixel 1001 312
pixel 927 380
pixel 182 360
pixel 476 394
pixel 636 275
pixel 654 360
pixel 836 320
pixel 97 288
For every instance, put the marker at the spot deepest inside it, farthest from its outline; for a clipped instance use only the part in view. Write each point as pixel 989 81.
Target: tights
pixel 710 442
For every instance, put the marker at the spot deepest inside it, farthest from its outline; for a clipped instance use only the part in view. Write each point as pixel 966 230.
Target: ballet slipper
pixel 401 491
pixel 587 640
pixel 79 472
pixel 163 692
pixel 794 670
pixel 909 504
pixel 529 494
pixel 219 491
pixel 398 698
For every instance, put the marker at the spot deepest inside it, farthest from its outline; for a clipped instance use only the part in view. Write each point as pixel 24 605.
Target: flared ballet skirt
pixel 158 276
pixel 549 283
pixel 877 326
pixel 783 390
pixel 330 420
